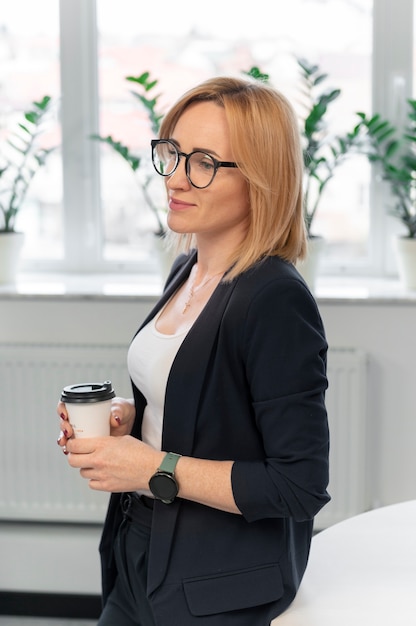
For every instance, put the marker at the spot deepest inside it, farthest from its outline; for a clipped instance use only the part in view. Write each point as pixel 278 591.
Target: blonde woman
pixel 219 463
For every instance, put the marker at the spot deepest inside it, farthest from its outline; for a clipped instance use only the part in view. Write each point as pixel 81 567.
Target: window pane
pixel 29 70
pixel 180 48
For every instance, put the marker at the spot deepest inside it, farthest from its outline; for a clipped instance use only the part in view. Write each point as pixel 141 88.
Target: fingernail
pixel 66 433
pixel 62 416
pixel 58 440
pixel 64 450
pixel 118 420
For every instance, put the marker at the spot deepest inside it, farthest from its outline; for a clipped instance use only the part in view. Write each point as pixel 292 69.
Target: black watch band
pixel 163 484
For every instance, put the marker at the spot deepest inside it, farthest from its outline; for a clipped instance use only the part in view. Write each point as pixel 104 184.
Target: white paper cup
pixel 89 408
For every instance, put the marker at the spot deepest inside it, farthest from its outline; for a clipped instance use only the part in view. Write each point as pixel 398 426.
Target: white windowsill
pixel 80 286
pixel 329 289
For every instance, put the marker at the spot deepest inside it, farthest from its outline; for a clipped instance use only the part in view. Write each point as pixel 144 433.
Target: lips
pixel 178 205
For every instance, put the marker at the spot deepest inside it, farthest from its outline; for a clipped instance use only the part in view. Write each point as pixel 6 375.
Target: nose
pixel 179 179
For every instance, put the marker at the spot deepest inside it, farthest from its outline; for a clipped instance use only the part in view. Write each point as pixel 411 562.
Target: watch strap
pixel 169 462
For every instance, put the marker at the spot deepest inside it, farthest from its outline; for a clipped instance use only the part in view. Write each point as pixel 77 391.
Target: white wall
pixel 386 332
pixel 384 329
pixel 63 558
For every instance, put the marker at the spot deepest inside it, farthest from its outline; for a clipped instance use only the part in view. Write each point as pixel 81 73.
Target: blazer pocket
pixel 233 590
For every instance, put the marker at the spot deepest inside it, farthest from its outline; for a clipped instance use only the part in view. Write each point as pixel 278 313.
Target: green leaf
pixel 319 79
pixel 141 80
pixel 43 104
pixel 121 149
pixel 382 136
pixel 374 123
pixel 391 148
pixel 308 68
pixel 257 74
pixel 411 138
pixel 313 121
pixel 31 116
pixel 23 127
pixel 328 97
pixel 17 148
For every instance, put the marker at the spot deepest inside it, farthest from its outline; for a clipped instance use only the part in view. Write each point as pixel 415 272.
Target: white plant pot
pixel 309 267
pixel 10 248
pixel 406 261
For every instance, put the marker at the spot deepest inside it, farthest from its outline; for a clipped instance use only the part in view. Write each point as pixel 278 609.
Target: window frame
pixel 392 83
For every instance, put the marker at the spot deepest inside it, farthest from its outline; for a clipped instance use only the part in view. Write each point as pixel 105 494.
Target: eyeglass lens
pixel 200 167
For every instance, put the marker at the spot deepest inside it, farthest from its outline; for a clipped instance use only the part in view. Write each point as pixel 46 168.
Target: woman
pixel 220 462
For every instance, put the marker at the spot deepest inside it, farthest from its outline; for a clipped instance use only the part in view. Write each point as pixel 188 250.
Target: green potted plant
pixel 141 166
pixel 323 152
pixel 20 159
pixel 394 153
pixel 136 162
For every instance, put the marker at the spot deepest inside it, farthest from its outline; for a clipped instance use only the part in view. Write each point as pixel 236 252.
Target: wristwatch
pixel 163 483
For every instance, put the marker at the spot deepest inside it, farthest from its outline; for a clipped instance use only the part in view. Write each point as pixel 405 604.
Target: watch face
pixel 164 487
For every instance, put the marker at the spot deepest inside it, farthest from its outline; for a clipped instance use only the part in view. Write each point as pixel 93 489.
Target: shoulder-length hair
pixel 265 143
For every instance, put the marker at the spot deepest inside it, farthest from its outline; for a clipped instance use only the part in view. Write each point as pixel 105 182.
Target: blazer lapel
pixel 187 376
pixel 183 393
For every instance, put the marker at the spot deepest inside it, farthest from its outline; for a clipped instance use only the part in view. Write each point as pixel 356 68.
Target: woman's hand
pixel 123 413
pixel 123 463
pixel 114 464
pixel 66 428
pixel 121 421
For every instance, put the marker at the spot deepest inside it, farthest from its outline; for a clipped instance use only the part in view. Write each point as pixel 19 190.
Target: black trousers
pixel 127 604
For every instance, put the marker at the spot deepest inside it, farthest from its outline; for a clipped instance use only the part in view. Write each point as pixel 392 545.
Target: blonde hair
pixel 265 142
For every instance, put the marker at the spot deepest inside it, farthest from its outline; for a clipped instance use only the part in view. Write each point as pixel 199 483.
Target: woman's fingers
pixel 115 420
pixel 66 431
pixel 122 416
pixel 61 410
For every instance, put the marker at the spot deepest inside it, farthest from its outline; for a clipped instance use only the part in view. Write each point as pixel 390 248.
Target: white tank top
pixel 149 361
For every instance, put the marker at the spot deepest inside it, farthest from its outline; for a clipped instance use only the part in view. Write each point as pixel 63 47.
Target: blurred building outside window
pixel 107 227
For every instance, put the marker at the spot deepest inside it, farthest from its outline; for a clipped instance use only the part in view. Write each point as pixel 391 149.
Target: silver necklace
pixel 193 290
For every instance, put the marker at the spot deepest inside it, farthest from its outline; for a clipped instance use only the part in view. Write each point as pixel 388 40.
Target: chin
pixel 178 225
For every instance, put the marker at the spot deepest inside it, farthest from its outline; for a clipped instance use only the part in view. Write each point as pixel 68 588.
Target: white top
pixel 149 361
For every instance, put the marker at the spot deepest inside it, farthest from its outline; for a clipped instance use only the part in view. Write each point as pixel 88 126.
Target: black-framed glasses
pixel 200 167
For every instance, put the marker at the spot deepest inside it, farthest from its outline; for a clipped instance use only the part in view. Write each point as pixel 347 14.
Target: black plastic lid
pixel 88 392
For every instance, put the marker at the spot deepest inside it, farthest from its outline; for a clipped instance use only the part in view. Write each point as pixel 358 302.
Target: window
pixel 340 41
pixel 29 70
pixel 105 225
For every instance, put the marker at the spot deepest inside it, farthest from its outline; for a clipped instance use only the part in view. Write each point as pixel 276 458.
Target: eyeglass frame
pixel 179 154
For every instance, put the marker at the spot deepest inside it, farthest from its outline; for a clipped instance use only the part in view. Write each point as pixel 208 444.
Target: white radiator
pixel 346 402
pixel 36 482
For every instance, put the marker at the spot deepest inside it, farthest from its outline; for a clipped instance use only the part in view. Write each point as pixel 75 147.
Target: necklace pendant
pixel 188 301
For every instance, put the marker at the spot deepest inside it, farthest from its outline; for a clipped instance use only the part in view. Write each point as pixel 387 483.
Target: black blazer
pixel 247 385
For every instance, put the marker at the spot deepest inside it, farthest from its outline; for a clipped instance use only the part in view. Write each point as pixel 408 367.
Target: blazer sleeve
pixel 284 349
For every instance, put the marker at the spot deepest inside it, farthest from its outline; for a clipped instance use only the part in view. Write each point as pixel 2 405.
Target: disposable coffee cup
pixel 89 408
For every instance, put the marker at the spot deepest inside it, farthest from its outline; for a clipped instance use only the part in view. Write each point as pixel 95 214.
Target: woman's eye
pixel 205 163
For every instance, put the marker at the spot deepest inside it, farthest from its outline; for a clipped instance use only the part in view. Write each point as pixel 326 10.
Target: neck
pixel 215 251
pixel 201 274
pixel 211 262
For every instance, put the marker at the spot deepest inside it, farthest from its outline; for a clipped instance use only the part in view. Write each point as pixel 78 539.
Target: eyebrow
pixel 196 149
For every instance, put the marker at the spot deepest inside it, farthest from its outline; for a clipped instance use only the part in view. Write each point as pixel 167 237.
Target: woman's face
pixel 221 210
